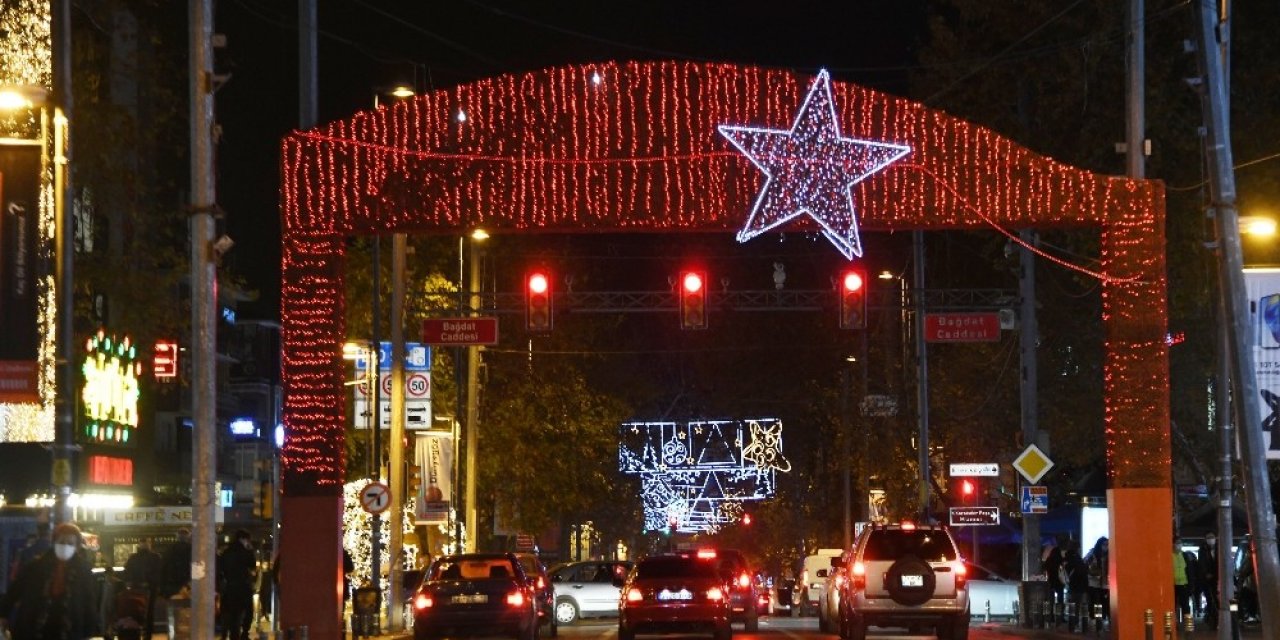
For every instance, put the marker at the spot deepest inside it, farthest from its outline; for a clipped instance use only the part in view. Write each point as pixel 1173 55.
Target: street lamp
pixel 478 236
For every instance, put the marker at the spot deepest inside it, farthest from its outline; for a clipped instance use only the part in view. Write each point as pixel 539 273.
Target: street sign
pixel 417 357
pixel 974 516
pixel 375 498
pixel 879 406
pixel 1032 463
pixel 1035 499
pixel 975 469
pixel 460 332
pixel 962 327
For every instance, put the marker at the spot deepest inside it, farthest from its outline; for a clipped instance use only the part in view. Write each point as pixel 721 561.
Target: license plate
pixel 470 599
pixel 682 594
pixel 913 581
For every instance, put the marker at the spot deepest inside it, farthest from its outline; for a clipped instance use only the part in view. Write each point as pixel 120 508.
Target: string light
pixel 698 474
pixel 640 149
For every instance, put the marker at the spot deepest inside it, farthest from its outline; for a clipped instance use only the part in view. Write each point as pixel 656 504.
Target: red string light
pixel 634 147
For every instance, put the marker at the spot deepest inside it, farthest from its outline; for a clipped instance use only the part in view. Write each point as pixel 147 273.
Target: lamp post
pixel 371 354
pixel 473 365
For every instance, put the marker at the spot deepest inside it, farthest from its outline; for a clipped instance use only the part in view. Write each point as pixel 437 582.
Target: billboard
pixel 433 453
pixel 1263 289
pixel 20 254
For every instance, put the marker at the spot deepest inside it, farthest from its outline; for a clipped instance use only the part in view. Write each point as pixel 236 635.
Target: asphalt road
pixel 775 629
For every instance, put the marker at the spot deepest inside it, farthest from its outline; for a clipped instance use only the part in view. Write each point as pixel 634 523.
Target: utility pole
pixel 922 373
pixel 473 423
pixel 1211 34
pixel 395 474
pixel 1028 335
pixel 845 437
pixel 63 197
pixel 1226 526
pixel 204 294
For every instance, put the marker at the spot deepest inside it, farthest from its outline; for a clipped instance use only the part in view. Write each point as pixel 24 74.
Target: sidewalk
pixel 1247 631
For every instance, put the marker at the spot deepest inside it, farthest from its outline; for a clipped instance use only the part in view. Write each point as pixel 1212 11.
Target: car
pixel 784 597
pixel 762 596
pixel 904 575
pixel 829 604
pixel 544 593
pixel 743 593
pixel 813 579
pixel 675 593
pixel 475 594
pixel 987 589
pixel 586 589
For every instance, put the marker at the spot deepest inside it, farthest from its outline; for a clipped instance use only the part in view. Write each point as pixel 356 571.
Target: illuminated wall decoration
pixel 109 397
pixel 357 536
pixel 698 474
pixel 26 61
pixel 637 147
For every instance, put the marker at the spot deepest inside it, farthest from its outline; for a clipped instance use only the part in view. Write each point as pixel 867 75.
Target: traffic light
pixel 964 490
pixel 537 295
pixel 853 299
pixel 413 480
pixel 263 501
pixel 693 299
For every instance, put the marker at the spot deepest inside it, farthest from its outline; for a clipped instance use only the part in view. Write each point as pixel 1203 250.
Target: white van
pixel 814 579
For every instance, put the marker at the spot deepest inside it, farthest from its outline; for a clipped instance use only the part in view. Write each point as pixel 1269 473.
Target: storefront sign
pixel 151 516
pixel 110 395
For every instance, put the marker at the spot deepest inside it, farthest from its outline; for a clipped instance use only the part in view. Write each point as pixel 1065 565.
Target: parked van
pixel 814 579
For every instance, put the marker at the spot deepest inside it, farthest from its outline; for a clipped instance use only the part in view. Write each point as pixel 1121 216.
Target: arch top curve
pixel 639 146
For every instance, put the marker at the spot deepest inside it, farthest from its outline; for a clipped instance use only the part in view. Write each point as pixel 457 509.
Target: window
pixel 930 546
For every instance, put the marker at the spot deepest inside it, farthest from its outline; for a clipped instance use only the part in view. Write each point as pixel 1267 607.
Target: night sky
pixel 365 46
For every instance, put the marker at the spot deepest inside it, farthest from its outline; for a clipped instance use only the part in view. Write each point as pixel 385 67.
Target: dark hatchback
pixel 744 594
pixel 540 583
pixel 677 593
pixel 475 594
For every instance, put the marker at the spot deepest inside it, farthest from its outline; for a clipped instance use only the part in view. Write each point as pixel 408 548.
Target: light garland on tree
pixel 357 538
pixel 697 474
pixel 637 147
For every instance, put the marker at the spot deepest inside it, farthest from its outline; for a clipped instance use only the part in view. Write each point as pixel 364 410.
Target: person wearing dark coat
pixel 175 570
pixel 1208 556
pixel 1051 561
pixel 53 597
pixel 1077 573
pixel 237 575
pixel 142 571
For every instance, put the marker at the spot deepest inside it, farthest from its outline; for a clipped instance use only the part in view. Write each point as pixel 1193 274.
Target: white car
pixel 987 588
pixel 586 589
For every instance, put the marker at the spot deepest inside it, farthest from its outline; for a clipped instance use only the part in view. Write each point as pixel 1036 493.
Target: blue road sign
pixel 1035 499
pixel 417 357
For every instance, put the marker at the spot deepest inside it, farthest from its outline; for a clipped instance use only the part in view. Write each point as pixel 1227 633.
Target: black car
pixel 743 593
pixel 475 594
pixel 675 593
pixel 543 592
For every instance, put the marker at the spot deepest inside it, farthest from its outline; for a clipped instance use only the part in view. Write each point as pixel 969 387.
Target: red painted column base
pixel 311 566
pixel 1141 559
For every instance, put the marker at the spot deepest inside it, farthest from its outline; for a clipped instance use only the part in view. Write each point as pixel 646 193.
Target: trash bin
pixel 179 618
pixel 1031 596
pixel 364 611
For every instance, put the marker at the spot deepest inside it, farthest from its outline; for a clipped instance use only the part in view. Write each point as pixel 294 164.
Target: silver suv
pixel 902 575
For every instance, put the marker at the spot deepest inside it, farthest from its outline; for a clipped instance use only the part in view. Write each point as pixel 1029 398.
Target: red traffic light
pixel 966 487
pixel 538 311
pixel 538 283
pixel 853 300
pixel 693 300
pixel 853 281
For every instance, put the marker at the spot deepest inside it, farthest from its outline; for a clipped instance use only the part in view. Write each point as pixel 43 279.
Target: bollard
pixel 1057 614
pixel 986 616
pixel 1071 617
pixel 1046 614
pixel 1168 625
pixel 1189 624
pixel 1149 625
pixel 1097 619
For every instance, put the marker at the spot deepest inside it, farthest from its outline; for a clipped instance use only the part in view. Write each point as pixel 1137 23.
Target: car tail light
pixel 714 594
pixel 706 554
pixel 908 526
pixel 744 580
pixel 962 574
pixel 764 599
pixel 542 584
pixel 858 575
pixel 515 598
pixel 634 595
pixel 423 601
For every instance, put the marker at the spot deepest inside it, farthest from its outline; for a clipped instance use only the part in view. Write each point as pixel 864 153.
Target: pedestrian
pixel 1208 557
pixel 1194 578
pixel 237 576
pixel 1051 561
pixel 54 595
pixel 142 572
pixel 176 565
pixel 1077 582
pixel 1181 597
pixel 37 544
pixel 1099 576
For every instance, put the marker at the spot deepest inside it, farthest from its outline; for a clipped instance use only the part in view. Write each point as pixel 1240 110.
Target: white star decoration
pixel 811 170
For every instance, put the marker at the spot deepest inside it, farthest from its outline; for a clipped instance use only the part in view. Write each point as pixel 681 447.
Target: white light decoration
pixel 357 537
pixel 696 475
pixel 811 169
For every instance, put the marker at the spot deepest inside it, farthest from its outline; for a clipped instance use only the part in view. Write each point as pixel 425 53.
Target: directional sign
pixel 417 357
pixel 879 406
pixel 962 327
pixel 460 331
pixel 375 498
pixel 975 469
pixel 1035 499
pixel 1032 463
pixel 974 516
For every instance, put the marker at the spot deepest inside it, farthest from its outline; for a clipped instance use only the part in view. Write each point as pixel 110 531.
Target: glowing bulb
pixel 595 78
pixel 462 115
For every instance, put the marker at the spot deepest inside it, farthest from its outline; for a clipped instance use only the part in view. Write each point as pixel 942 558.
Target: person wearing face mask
pixel 53 597
pixel 1208 554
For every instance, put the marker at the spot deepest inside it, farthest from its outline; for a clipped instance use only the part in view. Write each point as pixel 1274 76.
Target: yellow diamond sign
pixel 1032 463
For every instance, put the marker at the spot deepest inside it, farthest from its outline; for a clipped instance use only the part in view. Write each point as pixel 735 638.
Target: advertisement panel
pixel 433 452
pixel 1263 288
pixel 20 255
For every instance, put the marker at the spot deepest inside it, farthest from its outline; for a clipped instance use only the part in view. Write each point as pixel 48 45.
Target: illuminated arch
pixel 634 147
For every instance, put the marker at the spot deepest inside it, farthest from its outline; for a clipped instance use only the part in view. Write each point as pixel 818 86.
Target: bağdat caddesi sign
pixel 460 332
pixel 962 327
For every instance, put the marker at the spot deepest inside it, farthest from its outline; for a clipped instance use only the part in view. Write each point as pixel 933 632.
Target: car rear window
pixel 930 546
pixel 473 569
pixel 675 568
